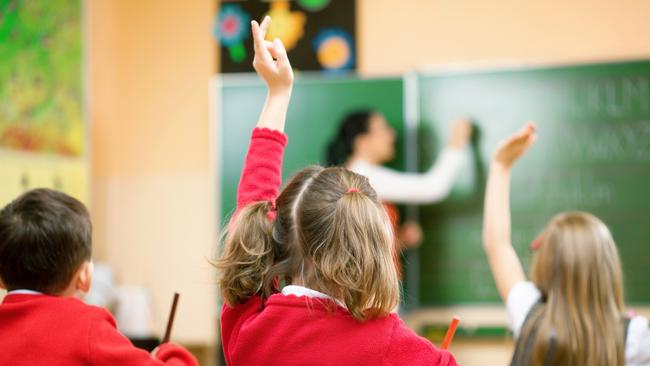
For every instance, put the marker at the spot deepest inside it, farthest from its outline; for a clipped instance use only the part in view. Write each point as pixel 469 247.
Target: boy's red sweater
pixel 290 330
pixel 63 331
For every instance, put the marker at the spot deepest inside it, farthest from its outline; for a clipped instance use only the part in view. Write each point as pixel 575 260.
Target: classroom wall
pixel 152 162
pixel 398 35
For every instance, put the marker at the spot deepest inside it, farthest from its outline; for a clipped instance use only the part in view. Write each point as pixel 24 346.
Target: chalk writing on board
pixel 572 189
pixel 618 97
pixel 603 142
pixel 481 281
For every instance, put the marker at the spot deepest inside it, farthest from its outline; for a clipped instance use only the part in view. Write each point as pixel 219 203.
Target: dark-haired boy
pixel 45 265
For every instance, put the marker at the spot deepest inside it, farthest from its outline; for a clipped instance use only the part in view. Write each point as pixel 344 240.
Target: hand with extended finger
pixel 271 61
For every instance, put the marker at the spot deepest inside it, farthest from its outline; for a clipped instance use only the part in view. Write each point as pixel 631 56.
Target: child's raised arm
pixel 261 176
pixel 504 263
pixel 249 251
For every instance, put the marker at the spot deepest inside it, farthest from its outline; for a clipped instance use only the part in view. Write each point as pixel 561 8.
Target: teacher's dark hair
pixel 342 146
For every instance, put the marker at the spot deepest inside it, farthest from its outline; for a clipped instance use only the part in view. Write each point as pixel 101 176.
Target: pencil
pixel 170 321
pixel 450 332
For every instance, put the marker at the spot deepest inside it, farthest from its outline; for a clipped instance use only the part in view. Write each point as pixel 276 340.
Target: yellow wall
pixel 153 187
pixel 398 35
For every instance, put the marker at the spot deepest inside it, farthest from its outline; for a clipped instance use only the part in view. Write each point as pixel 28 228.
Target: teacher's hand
pixel 410 234
pixel 460 133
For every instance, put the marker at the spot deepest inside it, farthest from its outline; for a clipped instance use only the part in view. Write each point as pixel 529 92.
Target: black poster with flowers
pixel 318 34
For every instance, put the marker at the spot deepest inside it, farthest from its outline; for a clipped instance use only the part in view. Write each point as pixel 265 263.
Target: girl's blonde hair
pixel 578 270
pixel 331 234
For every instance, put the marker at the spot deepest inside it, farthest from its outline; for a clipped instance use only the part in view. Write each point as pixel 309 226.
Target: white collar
pixel 307 292
pixel 24 292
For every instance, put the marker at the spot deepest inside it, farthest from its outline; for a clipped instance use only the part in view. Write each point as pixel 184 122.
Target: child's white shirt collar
pixel 24 292
pixel 307 292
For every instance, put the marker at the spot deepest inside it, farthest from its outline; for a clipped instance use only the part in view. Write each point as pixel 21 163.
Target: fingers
pixel 264 26
pixel 255 30
pixel 261 50
pixel 280 54
pixel 259 30
pixel 531 140
pixel 529 128
pixel 525 132
pixel 527 135
pixel 464 120
pixel 524 137
pixel 270 46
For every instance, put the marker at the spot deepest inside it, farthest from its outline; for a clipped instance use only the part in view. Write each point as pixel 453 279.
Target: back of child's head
pixel 331 234
pixel 577 268
pixel 577 257
pixel 45 236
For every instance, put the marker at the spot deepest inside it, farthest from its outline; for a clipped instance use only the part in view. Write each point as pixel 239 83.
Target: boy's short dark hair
pixel 45 236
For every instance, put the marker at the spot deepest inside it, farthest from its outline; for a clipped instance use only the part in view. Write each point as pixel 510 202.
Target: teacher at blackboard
pixel 365 141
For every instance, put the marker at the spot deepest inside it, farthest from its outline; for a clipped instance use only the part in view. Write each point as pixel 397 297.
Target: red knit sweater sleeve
pixel 232 319
pixel 262 174
pixel 407 348
pixel 108 347
pixel 172 354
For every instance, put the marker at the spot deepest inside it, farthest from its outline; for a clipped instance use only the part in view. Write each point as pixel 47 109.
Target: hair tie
pixel 273 212
pixel 537 243
pixel 353 190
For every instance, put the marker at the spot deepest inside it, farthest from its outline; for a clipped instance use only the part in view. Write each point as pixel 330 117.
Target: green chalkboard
pixel 593 154
pixel 317 106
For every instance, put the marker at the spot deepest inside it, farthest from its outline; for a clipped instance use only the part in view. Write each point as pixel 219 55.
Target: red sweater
pixel 53 331
pixel 290 330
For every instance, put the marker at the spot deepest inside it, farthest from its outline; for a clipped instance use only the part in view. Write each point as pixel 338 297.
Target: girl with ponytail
pixel 365 141
pixel 307 274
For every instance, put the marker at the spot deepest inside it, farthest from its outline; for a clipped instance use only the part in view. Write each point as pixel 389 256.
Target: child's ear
pixel 2 285
pixel 84 277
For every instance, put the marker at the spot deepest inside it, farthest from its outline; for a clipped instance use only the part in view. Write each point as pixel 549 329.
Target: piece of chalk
pixel 450 332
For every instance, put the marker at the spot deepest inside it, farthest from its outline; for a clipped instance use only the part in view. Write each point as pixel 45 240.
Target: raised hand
pixel 513 147
pixel 504 262
pixel 271 62
pixel 460 133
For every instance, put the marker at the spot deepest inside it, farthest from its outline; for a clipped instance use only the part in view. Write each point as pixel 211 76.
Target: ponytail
pixel 341 147
pixel 248 255
pixel 347 238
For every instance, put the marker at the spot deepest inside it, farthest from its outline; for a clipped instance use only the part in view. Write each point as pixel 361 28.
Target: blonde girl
pixel 571 311
pixel 307 275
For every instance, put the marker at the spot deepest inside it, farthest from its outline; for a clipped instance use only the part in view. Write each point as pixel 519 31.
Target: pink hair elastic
pixel 537 243
pixel 353 190
pixel 273 212
pixel 271 215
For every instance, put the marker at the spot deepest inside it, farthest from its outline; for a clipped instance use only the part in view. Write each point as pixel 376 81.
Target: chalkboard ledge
pixel 477 321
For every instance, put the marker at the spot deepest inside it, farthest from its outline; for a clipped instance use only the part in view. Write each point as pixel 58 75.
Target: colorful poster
pixel 318 34
pixel 40 77
pixel 43 140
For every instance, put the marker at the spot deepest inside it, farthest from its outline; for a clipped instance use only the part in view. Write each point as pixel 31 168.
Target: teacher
pixel 365 141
